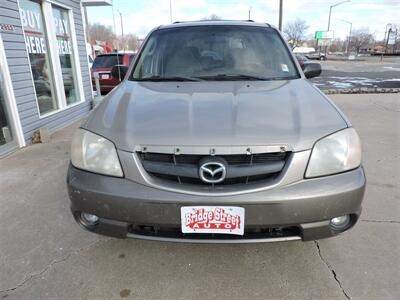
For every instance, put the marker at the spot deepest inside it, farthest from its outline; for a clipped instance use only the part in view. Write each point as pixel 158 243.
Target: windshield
pixel 107 61
pixel 214 53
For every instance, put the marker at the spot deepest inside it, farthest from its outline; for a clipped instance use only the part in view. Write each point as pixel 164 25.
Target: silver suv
pixel 216 135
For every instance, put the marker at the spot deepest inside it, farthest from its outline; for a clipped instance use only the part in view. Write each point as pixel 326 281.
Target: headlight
pixel 335 153
pixel 94 153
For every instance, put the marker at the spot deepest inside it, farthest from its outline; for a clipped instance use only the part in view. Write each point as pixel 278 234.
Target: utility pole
pixel 387 34
pixel 249 13
pixel 122 31
pixel 280 14
pixel 329 19
pixel 348 40
pixel 115 27
pixel 170 11
pixel 386 28
pixel 384 40
pixel 387 39
pixel 330 11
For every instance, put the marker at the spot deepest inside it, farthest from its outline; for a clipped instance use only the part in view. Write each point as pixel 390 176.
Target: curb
pixel 362 91
pixel 345 59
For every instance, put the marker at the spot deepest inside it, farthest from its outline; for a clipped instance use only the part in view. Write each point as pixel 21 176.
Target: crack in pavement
pixel 381 221
pixel 331 270
pixel 48 267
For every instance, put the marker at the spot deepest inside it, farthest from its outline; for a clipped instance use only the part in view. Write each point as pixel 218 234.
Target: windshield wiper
pixel 232 77
pixel 171 78
pixel 284 78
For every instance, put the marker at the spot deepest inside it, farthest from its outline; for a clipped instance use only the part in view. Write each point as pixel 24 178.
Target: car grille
pixel 254 232
pixel 242 168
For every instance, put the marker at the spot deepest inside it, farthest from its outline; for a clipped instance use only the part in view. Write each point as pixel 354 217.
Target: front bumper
pixel 301 210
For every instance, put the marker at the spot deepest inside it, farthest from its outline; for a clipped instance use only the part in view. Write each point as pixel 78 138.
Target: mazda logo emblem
pixel 212 171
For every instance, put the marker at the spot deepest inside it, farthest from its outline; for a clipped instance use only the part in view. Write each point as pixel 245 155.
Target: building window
pixel 37 44
pixel 53 54
pixel 66 54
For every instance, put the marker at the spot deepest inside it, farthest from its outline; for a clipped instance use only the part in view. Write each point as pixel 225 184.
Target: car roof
pixel 214 23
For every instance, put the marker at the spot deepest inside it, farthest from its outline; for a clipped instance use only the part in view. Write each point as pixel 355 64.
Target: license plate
pixel 212 219
pixel 105 76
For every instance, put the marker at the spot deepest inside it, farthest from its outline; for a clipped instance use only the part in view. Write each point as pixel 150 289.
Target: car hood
pixel 215 113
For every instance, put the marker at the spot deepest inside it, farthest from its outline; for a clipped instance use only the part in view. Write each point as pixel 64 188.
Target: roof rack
pixel 178 22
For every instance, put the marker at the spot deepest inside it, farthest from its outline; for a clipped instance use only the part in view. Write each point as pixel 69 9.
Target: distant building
pixel 367 48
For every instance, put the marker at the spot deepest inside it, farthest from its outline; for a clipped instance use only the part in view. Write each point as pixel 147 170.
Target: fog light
pixel 89 219
pixel 340 222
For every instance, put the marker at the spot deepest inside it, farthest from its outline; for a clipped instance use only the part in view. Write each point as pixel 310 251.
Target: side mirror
pixel 312 70
pixel 119 72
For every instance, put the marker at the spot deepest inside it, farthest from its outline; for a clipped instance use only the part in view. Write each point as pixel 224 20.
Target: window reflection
pixel 65 51
pixel 36 45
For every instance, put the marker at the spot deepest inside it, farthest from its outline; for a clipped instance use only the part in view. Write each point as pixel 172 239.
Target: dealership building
pixel 44 72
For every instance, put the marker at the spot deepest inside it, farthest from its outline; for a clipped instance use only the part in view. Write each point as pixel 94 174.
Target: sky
pixel 140 16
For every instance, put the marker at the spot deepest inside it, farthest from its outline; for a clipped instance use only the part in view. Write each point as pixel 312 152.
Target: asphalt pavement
pixel 370 72
pixel 44 254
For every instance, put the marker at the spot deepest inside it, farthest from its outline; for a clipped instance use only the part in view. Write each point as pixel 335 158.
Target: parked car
pixel 304 62
pixel 103 64
pixel 215 135
pixel 316 55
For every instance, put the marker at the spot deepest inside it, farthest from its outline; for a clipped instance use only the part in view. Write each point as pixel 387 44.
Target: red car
pixel 103 64
pixel 302 60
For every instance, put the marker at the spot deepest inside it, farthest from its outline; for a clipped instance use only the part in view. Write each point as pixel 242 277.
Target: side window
pixel 146 58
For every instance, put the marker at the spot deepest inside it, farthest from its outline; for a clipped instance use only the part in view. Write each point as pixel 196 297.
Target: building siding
pixel 21 76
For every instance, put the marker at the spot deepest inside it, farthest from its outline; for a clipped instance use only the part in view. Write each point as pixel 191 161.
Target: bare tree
pixel 295 32
pixel 130 42
pixel 361 38
pixel 101 33
pixel 337 45
pixel 311 42
pixel 212 17
pixel 396 46
pixel 394 32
